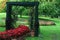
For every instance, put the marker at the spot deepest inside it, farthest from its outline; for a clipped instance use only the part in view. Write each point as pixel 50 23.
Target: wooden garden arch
pixel 26 4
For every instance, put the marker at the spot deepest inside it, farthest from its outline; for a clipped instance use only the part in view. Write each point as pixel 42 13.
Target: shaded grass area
pixel 46 32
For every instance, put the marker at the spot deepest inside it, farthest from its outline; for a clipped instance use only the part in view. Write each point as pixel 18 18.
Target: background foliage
pixel 49 8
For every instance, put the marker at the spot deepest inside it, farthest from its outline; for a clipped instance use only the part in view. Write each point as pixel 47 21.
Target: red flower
pixel 20 31
pixel 3 35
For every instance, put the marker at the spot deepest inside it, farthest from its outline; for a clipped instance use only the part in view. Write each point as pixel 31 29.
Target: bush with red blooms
pixel 20 31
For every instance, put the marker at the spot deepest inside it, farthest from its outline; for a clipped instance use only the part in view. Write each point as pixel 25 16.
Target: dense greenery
pixel 46 7
pixel 49 8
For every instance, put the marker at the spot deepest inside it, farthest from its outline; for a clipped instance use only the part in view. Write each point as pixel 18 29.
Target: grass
pixel 46 32
pixel 51 32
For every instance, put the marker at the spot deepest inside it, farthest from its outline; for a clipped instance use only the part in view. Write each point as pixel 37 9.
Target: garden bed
pixel 19 33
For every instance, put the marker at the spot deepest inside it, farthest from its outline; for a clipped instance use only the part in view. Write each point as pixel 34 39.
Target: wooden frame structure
pixel 26 4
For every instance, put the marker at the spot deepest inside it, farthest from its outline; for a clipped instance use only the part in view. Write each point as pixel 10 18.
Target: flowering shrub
pixel 20 31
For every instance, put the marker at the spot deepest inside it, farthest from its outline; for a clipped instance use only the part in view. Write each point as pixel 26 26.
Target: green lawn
pixel 46 32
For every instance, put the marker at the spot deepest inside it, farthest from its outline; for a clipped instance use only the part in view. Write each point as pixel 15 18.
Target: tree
pixel 3 6
pixel 49 8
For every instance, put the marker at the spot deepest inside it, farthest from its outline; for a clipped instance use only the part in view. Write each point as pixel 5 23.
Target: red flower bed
pixel 20 31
